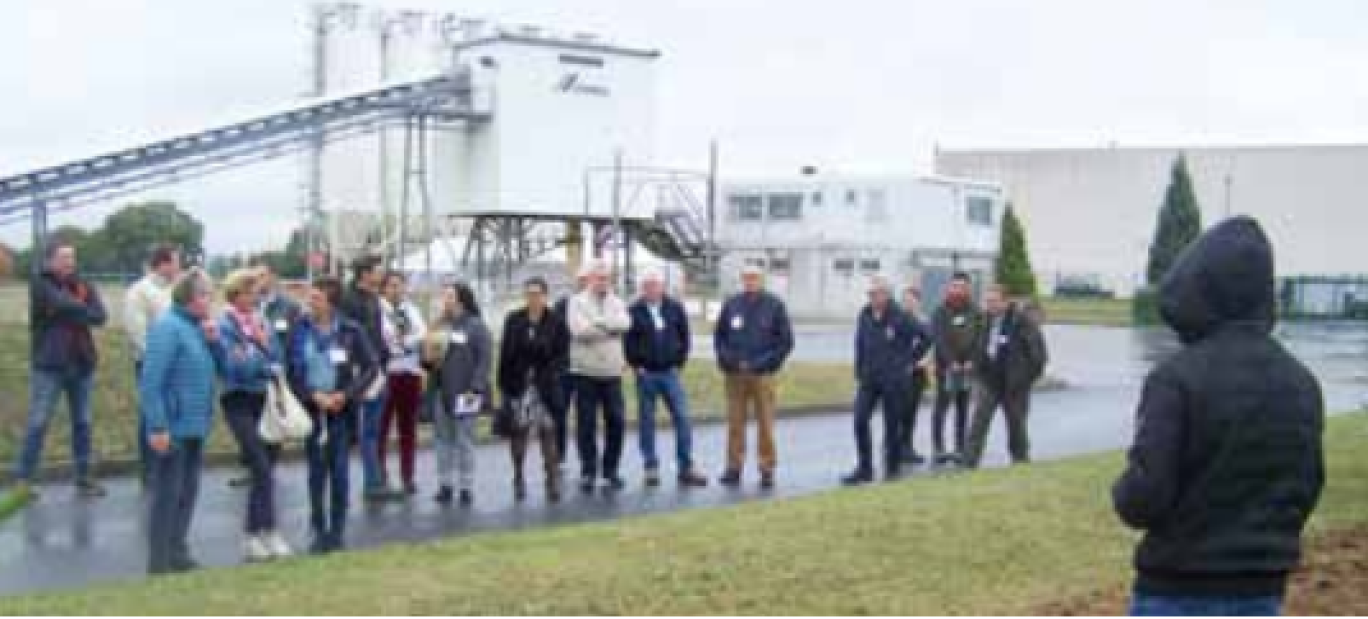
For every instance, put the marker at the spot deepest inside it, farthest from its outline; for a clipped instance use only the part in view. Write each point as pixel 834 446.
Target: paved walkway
pixel 63 542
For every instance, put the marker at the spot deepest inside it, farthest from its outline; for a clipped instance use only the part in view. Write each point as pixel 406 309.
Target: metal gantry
pixel 441 99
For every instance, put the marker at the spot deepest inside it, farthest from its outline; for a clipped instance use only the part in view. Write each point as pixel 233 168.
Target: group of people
pixel 1224 472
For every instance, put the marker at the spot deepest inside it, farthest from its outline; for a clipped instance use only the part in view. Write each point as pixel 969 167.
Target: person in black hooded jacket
pixel 1227 465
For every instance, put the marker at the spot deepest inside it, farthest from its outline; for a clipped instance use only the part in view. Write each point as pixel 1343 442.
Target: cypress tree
pixel 1014 262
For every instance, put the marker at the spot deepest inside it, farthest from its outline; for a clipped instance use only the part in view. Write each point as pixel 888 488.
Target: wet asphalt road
pixel 63 542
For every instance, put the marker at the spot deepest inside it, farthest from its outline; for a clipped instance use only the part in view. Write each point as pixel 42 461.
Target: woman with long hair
pixel 459 355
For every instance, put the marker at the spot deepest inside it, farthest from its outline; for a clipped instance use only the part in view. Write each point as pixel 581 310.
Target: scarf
pixel 253 329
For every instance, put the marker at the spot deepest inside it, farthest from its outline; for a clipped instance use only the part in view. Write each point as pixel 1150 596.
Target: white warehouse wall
pixel 1093 211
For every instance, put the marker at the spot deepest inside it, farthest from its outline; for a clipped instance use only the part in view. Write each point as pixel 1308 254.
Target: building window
pixel 816 199
pixel 852 198
pixel 779 266
pixel 746 207
pixel 870 267
pixel 785 206
pixel 843 266
pixel 878 206
pixel 757 262
pixel 979 211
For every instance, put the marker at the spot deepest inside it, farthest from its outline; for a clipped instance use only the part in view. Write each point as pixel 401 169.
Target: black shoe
pixel 913 458
pixel 410 490
pixel 857 478
pixel 443 496
pixel 184 564
pixel 730 479
pixel 892 472
pixel 767 480
pixel 615 483
pixel 336 543
pixel 652 478
pixel 467 498
pixel 691 479
pixel 319 545
pixel 89 489
pixel 587 484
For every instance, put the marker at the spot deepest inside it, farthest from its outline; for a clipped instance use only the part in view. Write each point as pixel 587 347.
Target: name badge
pixel 892 334
pixel 960 321
pixel 659 322
pixel 1002 340
pixel 338 355
pixel 459 337
pixel 737 323
pixel 282 325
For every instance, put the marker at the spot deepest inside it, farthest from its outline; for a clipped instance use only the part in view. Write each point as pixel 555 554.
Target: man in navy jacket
pixel 657 347
pixel 753 339
pixel 888 344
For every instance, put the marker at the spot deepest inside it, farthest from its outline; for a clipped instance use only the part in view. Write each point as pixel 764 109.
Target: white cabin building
pixel 821 237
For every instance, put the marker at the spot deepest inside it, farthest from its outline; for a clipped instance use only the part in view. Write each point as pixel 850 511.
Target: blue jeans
pixel 591 395
pixel 371 414
pixel 1167 606
pixel 175 488
pixel 664 385
pixel 329 475
pixel 45 387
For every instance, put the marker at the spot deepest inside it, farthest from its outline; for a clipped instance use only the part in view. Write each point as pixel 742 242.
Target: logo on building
pixel 575 83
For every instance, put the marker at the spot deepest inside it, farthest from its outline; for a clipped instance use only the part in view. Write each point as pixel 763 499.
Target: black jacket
pixel 538 352
pixel 1021 356
pixel 658 349
pixel 354 377
pixel 887 348
pixel 363 308
pixel 1227 465
pixel 61 315
pixel 753 334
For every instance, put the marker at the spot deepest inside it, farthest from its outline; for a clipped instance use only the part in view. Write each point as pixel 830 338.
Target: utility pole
pixel 1229 180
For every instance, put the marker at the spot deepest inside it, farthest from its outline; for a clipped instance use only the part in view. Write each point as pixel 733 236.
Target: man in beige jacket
pixel 144 302
pixel 598 319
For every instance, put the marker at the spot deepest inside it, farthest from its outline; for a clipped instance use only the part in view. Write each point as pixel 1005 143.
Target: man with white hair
pixel 598 319
pixel 560 411
pixel 657 347
pixel 888 344
pixel 753 339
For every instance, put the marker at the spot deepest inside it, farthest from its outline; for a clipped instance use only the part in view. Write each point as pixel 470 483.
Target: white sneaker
pixel 256 549
pixel 280 549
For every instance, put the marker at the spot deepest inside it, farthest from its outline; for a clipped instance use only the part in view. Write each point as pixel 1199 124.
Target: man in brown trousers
pixel 753 338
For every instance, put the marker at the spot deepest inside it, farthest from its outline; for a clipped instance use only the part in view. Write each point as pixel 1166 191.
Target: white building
pixel 820 237
pixel 1091 212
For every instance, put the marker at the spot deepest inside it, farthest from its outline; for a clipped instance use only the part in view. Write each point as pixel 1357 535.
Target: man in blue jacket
pixel 657 347
pixel 63 308
pixel 888 345
pixel 176 393
pixel 752 339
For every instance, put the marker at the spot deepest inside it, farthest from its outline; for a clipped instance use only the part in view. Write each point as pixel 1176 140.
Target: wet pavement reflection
pixel 62 541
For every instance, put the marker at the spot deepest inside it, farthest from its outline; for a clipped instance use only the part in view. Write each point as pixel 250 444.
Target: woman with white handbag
pixel 251 356
pixel 459 355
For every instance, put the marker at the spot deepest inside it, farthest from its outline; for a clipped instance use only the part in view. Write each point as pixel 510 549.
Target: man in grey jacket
pixel 598 319
pixel 1011 357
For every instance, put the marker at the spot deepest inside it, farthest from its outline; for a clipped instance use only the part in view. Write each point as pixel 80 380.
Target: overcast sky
pixel 859 85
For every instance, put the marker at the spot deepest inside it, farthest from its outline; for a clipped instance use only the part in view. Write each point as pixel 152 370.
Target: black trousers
pixel 944 397
pixel 593 395
pixel 907 431
pixel 891 396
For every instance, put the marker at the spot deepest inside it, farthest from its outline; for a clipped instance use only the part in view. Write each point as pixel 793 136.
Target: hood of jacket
pixel 1224 277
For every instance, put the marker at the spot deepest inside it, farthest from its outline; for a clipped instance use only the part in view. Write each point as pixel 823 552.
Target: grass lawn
pixel 802 385
pixel 992 542
pixel 1100 312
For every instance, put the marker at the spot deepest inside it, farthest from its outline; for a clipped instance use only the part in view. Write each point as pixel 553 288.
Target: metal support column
pixel 40 236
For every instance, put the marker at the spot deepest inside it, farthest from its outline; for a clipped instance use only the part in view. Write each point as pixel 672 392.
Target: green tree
pixel 292 261
pixel 1180 222
pixel 130 233
pixel 1014 260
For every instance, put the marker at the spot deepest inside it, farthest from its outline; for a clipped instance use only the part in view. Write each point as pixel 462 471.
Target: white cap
pixel 651 274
